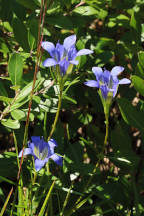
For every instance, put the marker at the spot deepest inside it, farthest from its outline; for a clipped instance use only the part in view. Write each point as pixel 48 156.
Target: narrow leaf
pixel 46 200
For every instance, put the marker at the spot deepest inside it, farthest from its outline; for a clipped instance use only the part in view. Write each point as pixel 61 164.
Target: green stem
pixel 107 129
pixel 44 128
pixel 57 115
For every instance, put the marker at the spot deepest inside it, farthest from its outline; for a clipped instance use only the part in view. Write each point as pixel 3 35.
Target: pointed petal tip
pixel 117 70
pixel 69 41
pixel 84 52
pixel 92 83
pixel 124 81
pixel 49 62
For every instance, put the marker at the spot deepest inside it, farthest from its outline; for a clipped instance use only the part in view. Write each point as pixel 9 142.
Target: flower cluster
pixel 42 151
pixel 63 55
pixel 107 81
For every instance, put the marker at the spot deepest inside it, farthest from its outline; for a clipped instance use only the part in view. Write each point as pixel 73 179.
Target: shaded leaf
pixel 15 69
pixel 138 84
pixel 130 114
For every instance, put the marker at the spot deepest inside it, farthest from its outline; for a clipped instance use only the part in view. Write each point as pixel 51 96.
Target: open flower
pixel 107 81
pixel 63 55
pixel 42 151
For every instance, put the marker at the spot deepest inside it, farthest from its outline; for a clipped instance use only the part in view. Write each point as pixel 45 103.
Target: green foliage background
pixel 114 30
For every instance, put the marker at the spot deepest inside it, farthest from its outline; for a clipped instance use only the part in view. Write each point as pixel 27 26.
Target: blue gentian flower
pixel 63 55
pixel 42 151
pixel 107 81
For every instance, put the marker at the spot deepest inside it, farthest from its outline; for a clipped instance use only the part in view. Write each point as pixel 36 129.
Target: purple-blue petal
pixel 27 151
pixel 52 144
pixel 48 46
pixel 84 52
pixel 57 159
pixel 35 139
pixel 49 62
pixel 72 52
pixel 106 76
pixel 116 70
pixel 63 66
pixel 92 83
pixel 39 164
pixel 69 41
pixel 104 91
pixel 59 51
pixel 75 62
pixel 115 88
pixel 124 81
pixel 97 72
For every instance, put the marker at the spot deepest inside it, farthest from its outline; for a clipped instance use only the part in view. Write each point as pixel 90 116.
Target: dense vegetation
pixel 97 166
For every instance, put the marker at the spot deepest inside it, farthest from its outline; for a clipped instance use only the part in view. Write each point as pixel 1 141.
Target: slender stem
pixel 44 128
pixel 6 202
pixel 107 129
pixel 56 116
pixel 66 200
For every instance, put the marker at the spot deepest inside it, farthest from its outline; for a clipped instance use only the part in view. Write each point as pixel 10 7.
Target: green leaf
pixel 141 58
pixel 33 34
pixel 30 4
pixel 85 10
pixel 60 21
pixel 3 91
pixel 138 84
pixel 136 26
pixel 14 124
pixel 69 99
pixel 41 213
pixel 130 114
pixel 15 68
pixel 6 99
pixel 20 33
pixel 122 146
pixel 17 114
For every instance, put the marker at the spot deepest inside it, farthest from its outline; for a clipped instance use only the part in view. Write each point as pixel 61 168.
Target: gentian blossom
pixel 63 55
pixel 107 81
pixel 42 151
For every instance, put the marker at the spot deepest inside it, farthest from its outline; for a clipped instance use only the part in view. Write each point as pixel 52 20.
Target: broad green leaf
pixel 15 69
pixel 33 34
pixel 138 84
pixel 17 114
pixel 14 124
pixel 21 115
pixel 130 114
pixel 20 33
pixel 85 10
